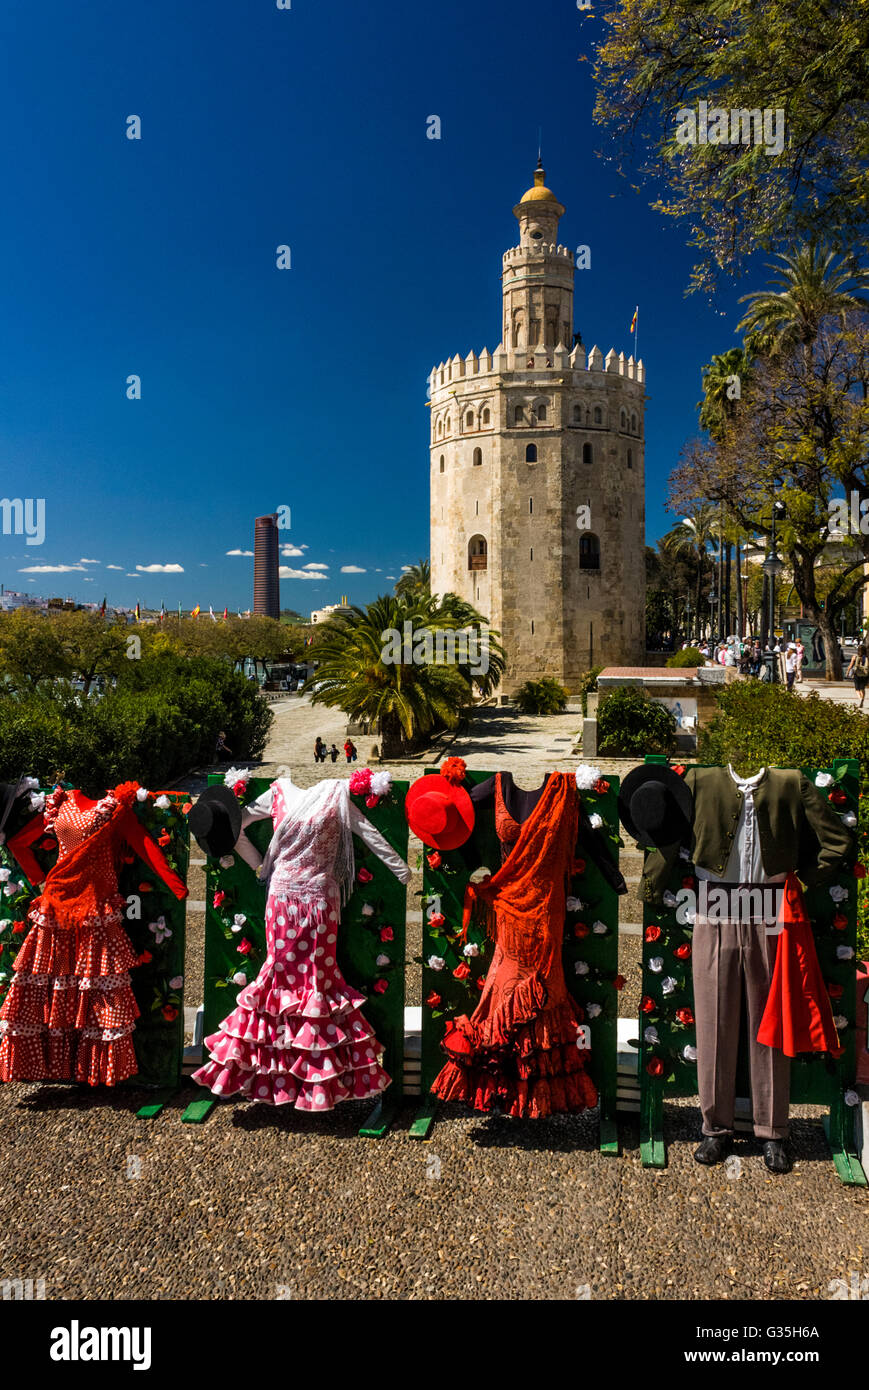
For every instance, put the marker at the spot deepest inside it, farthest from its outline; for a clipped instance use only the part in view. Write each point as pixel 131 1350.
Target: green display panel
pixel 372 926
pixel 155 922
pixel 590 942
pixel 815 1080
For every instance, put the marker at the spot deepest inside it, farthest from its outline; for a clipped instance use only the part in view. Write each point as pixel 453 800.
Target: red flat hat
pixel 439 813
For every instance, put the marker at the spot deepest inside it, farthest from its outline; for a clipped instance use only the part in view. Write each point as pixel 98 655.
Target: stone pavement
pixel 257 1204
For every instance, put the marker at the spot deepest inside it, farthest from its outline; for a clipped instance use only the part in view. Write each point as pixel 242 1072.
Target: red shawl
pixel 798 1016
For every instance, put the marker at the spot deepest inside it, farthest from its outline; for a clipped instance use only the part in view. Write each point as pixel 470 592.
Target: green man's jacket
pixel 799 829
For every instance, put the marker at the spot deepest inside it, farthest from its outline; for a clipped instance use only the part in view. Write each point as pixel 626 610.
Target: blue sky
pixel 306 387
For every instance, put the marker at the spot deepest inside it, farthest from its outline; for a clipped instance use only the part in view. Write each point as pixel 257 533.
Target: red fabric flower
pixel 18 927
pixel 433 1000
pixel 218 898
pixel 372 801
pixel 655 1067
pixel 47 844
pixel 244 947
pixel 480 982
pixel 601 786
pixel 683 952
pixel 434 860
pixel 619 982
pixel 837 796
pixel 164 839
pixel 653 933
pixel 365 875
pixel 386 934
pixel 835 991
pixel 381 986
pixel 240 787
pixel 462 971
pixel 436 920
pixel 145 888
pixel 145 958
pixel 580 929
pixel 187 807
pixel 453 769
pixel 688 881
pixel 840 921
pixel 685 1016
pixel 859 870
pixel 579 866
pixel 680 769
pixel 169 1012
pixel 647 1004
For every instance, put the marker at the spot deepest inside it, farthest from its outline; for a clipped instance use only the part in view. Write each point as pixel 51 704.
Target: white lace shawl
pixel 310 803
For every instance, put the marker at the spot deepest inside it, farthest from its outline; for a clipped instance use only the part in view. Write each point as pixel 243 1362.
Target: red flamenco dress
pixel 518 1052
pixel 70 1012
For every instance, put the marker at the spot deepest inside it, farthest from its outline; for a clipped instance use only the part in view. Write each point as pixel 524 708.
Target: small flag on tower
pixel 634 319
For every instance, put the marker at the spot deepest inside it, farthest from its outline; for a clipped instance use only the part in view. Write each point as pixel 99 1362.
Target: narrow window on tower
pixel 486 416
pixel 532 552
pixel 531 453
pixel 530 506
pixel 477 511
pixel 442 463
pixel 587 454
pixel 630 458
pixel 518 415
pixel 541 414
pixel 598 417
pixel 532 627
pixel 478 458
pixel 469 420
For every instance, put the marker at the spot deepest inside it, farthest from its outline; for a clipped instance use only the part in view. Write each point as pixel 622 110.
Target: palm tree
pixel 811 286
pixel 693 533
pixel 362 668
pixel 724 379
pixel 415 581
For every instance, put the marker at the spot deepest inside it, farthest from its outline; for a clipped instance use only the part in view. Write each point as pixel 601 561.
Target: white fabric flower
pixel 367 910
pixel 600 928
pixel 162 803
pixel 5 922
pixel 29 784
pixel 651 1036
pixel 656 964
pixel 684 853
pixel 176 982
pixel 586 775
pixel 226 861
pixel 5 875
pixel 689 1053
pixel 575 905
pixel 823 779
pixel 238 921
pixel 848 818
pixel 840 1022
pixel 581 967
pixel 851 1098
pixel 435 962
pixel 472 949
pixel 381 783
pixel 592 1010
pixel 595 821
pixel 838 893
pixel 844 952
pixel 668 984
pixel 236 774
pixel 669 899
pixel 382 962
pixel 37 802
pixel 142 794
pixel 239 978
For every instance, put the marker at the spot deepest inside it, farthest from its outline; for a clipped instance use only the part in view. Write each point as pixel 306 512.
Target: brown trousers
pixel 730 958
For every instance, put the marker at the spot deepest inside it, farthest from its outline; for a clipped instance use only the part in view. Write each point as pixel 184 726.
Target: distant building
pixel 10 599
pixel 266 567
pixel 332 610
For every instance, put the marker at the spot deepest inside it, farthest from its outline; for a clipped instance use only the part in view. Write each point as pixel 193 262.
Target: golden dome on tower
pixel 539 193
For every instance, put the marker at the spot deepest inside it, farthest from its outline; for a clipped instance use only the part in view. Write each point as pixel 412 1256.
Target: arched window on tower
pixel 478 553
pixel 442 463
pixel 519 415
pixel 630 458
pixel 469 420
pixel 531 453
pixel 487 416
pixel 478 458
pixel 448 425
pixel 623 419
pixel 633 423
pixel 541 414
pixel 577 414
pixel 589 551
pixel 598 415
pixel 440 429
pixel 587 454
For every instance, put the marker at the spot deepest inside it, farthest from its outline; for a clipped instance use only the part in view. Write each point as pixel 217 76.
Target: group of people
pixel 321 752
pixel 746 655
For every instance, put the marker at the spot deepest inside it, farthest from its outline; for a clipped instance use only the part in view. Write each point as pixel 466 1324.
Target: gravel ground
pixel 259 1204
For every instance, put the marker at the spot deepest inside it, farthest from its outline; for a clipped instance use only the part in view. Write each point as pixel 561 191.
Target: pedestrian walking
pixel 220 748
pixel 859 668
pixel 333 753
pixel 350 751
pixel 791 664
pixel 801 656
pixel 319 751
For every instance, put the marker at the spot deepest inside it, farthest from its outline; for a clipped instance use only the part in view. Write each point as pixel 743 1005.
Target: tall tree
pixel 809 285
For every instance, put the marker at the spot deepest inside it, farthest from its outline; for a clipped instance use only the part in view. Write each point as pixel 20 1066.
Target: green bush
pixel 759 725
pixel 542 697
pixel 691 656
pixel 159 721
pixel 586 684
pixel 629 723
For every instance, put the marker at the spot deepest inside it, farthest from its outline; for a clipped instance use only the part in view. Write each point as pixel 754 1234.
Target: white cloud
pixel 88 580
pixel 316 565
pixel 49 569
pixel 90 562
pixel 289 550
pixel 352 569
pixel 390 576
pixel 114 567
pixel 159 569
pixel 406 569
pixel 286 573
pixel 239 552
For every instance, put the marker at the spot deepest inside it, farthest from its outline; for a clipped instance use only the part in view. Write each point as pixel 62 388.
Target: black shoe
pixel 774 1156
pixel 712 1149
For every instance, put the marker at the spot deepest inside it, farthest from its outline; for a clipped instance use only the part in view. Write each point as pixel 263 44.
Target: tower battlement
pixel 544 359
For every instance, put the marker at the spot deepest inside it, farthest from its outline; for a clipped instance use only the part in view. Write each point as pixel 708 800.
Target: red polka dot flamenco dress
pixel 70 1012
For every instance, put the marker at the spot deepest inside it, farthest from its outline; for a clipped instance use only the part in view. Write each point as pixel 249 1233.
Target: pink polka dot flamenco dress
pixel 297 1035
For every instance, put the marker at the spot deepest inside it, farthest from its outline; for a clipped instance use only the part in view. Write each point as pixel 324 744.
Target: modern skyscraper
pixel 266 567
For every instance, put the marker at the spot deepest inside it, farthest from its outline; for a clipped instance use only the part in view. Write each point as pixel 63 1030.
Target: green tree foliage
pixel 800 56
pixel 630 724
pixel 545 696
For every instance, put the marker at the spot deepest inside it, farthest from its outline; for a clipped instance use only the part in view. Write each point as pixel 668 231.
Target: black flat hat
pixel 10 792
pixel 655 806
pixel 215 820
